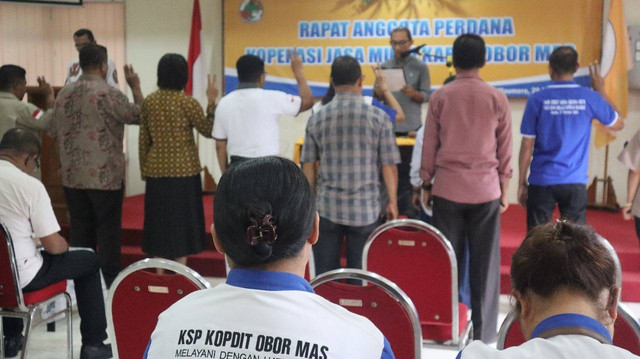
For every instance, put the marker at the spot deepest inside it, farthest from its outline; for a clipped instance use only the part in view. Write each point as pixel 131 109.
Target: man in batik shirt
pixel 88 125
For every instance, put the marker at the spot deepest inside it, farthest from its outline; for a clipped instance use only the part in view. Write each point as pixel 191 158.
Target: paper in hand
pixel 395 78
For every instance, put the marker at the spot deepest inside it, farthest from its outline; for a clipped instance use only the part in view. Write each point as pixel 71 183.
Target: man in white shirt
pixel 246 120
pixel 25 210
pixel 81 38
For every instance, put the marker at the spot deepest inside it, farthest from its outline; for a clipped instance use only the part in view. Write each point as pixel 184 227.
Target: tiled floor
pixel 45 345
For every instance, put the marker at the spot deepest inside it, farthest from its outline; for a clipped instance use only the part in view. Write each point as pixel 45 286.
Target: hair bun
pixel 265 232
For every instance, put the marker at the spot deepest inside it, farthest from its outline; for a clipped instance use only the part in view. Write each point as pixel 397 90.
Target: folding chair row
pixel 138 296
pixel 379 300
pixel 420 260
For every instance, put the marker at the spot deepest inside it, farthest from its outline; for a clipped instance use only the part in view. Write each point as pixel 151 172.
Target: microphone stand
pixel 449 63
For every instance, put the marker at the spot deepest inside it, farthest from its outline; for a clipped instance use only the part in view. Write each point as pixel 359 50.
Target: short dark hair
pixel 11 75
pixel 564 60
pixel 329 95
pixel 20 140
pixel 563 255
pixel 254 189
pixel 83 32
pixel 92 56
pixel 345 70
pixel 250 68
pixel 469 52
pixel 173 72
pixel 403 29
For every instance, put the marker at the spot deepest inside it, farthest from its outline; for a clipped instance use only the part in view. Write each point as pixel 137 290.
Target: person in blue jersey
pixel 394 110
pixel 564 285
pixel 556 129
pixel 265 224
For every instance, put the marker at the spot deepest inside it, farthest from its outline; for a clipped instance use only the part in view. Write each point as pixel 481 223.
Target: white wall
pixel 155 27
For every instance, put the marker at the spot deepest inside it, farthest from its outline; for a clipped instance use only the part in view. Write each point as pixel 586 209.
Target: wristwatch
pixel 427 187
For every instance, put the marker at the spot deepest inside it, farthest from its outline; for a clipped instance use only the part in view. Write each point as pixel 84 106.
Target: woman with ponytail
pixel 265 224
pixel 564 286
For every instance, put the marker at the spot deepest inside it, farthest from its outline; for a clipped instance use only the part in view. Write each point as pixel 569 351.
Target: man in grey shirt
pixel 418 86
pixel 410 98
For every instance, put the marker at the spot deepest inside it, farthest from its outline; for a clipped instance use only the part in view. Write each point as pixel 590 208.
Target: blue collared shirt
pixel 559 118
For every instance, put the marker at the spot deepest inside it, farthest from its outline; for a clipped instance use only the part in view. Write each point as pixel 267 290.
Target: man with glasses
pixel 25 210
pixel 82 38
pixel 411 97
pixel 13 111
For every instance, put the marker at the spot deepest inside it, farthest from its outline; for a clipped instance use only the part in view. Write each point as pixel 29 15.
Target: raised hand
pixel 131 76
pixel 597 81
pixel 75 70
pixel 381 78
pixel 212 90
pixel 45 86
pixel 296 60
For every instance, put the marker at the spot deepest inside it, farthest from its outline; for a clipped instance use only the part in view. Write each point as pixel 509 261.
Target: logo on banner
pixel 251 11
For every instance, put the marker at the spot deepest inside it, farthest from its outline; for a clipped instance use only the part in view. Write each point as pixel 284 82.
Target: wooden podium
pixel 50 161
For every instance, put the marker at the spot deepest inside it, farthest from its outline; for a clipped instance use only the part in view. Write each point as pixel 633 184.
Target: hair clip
pixel 266 232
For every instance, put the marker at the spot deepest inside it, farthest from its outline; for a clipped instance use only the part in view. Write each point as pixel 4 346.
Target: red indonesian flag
pixel 197 78
pixel 37 114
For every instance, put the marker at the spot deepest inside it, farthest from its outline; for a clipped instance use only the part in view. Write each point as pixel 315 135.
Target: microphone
pixel 415 50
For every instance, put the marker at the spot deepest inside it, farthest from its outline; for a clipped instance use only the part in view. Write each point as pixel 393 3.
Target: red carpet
pixel 621 234
pixel 611 226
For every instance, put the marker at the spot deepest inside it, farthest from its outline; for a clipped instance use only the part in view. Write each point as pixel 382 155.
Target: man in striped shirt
pixel 354 142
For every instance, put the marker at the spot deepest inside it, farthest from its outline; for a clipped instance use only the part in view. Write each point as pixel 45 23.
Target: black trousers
pixel 477 226
pixel 326 253
pixel 405 189
pixel 571 200
pixel 234 160
pixel 96 222
pixel 82 267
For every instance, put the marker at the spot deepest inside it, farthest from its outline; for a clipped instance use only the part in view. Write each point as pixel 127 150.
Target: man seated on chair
pixel 26 211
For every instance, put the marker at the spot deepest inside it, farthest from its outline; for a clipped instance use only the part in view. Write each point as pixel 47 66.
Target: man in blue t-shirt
pixel 556 129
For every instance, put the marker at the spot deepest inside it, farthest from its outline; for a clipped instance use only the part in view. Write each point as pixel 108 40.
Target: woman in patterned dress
pixel 173 212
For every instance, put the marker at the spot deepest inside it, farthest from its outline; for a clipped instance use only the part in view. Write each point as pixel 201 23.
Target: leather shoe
pixel 13 345
pixel 96 351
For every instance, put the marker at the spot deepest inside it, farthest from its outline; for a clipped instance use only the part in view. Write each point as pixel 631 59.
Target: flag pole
pixel 605 185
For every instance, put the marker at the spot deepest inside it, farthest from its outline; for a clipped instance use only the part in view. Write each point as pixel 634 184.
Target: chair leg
pixel 67 298
pixel 27 331
pixel 1 338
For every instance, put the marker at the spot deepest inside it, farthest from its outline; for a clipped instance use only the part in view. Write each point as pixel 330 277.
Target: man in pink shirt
pixel 467 154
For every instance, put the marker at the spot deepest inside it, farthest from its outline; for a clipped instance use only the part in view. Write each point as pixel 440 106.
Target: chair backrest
pixel 381 301
pixel 510 333
pixel 137 297
pixel 420 260
pixel 626 333
pixel 10 290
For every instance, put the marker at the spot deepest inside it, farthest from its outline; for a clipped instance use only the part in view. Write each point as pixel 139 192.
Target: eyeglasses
pixel 398 43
